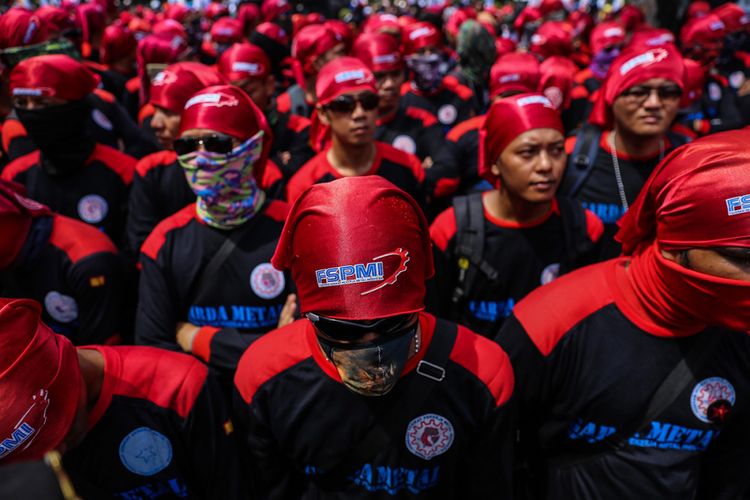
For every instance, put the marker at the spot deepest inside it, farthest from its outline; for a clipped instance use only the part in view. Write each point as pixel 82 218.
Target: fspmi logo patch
pixel 266 281
pixel 429 436
pixel 28 426
pixel 145 451
pixel 447 114
pixel 738 204
pixel 405 143
pixel 92 208
pixel 710 396
pixel 60 307
pixel 363 273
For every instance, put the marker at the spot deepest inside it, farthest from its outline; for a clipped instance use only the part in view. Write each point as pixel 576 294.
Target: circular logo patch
pixel 266 281
pixel 447 114
pixel 101 120
pixel 92 208
pixel 405 143
pixel 736 79
pixel 707 393
pixel 714 91
pixel 62 308
pixel 550 273
pixel 145 451
pixel 429 436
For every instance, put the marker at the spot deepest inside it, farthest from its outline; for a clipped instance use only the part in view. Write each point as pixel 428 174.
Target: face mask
pixel 429 70
pixel 224 184
pixel 602 60
pixel 60 134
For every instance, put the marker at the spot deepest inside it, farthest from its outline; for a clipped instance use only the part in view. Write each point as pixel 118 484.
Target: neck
pixel 309 89
pixel 351 159
pixel 92 370
pixel 502 204
pixel 637 146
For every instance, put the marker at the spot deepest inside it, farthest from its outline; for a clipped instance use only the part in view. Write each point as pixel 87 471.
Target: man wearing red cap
pixel 410 129
pixel 130 421
pixel 248 67
pixel 610 159
pixel 493 248
pixel 344 128
pixel 70 172
pixel 378 396
pixel 633 387
pixel 430 88
pixel 206 285
pixel 67 266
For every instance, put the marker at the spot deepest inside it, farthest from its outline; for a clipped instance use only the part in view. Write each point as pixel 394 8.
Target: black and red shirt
pixel 74 272
pixel 451 103
pixel 402 169
pixel 96 193
pixel 234 307
pixel 587 361
pixel 291 141
pixel 295 414
pixel 525 256
pixel 412 130
pixel 160 429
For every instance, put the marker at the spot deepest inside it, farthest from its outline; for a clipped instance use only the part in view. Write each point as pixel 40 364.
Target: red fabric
pixel 176 11
pixel 635 65
pixel 169 28
pixel 272 9
pixel 312 42
pixel 244 60
pixel 697 9
pixel 652 37
pixel 274 32
pixel 380 52
pixel 606 35
pixel 517 71
pixel 504 46
pixel 56 18
pixel 92 19
pixel 215 10
pixel 707 31
pixel 695 80
pixel 419 36
pixel 16 213
pixel 249 15
pixel 342 30
pixel 40 381
pixel 380 23
pixel 553 38
pixel 299 21
pixel 55 76
pixel 342 76
pixel 171 88
pixel 527 16
pixel 79 240
pixel 557 79
pixel 507 119
pixel 326 229
pixel 229 110
pixel 118 42
pixel 457 18
pixel 733 16
pixel 226 31
pixel 631 17
pixel 20 27
pixel 157 49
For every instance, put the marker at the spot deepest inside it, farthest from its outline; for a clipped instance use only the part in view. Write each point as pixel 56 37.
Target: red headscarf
pixel 420 35
pixel 249 15
pixel 169 28
pixel 507 119
pixel 157 49
pixel 707 31
pixel 228 110
pixel 55 75
pixel 342 31
pixel 226 31
pixel 56 19
pixel 215 10
pixel 695 80
pixel 273 32
pixel 244 60
pixel 176 11
pixel 271 9
pixel 20 27
pixel 504 46
pixel 92 19
pixel 733 16
pixel 40 381
pixel 698 8
pixel 353 264
pixel 382 23
pixel 171 88
pixel 118 43
pixel 312 42
pixel 605 35
pixel 557 79
pixel 16 213
pixel 697 197
pixel 636 65
pixel 380 52
pixel 553 38
pixel 514 72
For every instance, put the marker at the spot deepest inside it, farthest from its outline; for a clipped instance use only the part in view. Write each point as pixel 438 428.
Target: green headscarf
pixel 476 51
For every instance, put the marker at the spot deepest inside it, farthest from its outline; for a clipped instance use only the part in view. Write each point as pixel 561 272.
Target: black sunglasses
pixel 339 329
pixel 641 93
pixel 348 103
pixel 215 143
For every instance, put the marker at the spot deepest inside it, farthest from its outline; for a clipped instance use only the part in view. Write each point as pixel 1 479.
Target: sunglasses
pixel 348 103
pixel 214 143
pixel 338 329
pixel 640 94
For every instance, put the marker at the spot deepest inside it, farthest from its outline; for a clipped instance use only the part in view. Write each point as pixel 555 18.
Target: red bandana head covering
pixel 172 87
pixel 341 76
pixel 607 34
pixel 157 49
pixel 20 27
pixel 226 31
pixel 631 17
pixel 16 213
pixel 504 46
pixel 177 12
pixel 507 119
pixel 456 19
pixel 57 19
pixel 419 36
pixel 514 72
pixel 169 28
pixel 698 8
pixel 355 264
pixel 299 21
pixel 634 66
pixel 342 31
pixel 55 75
pixel 312 42
pixel 249 15
pixel 527 16
pixel 380 52
pixel 553 38
pixel 697 197
pixel 651 37
pixel 228 110
pixel 695 80
pixel 382 23
pixel 214 10
pixel 92 19
pixel 273 32
pixel 707 32
pixel 272 9
pixel 557 79
pixel 118 43
pixel 733 16
pixel 242 61
pixel 40 381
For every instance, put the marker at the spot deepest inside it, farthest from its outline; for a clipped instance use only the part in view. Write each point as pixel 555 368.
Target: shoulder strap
pixel 297 98
pixel 581 160
pixel 221 255
pixel 432 371
pixel 575 231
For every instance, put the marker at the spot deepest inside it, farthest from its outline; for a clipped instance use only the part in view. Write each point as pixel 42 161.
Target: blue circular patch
pixel 145 451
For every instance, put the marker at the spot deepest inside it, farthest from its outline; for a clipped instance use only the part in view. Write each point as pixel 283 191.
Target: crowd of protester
pixel 456 250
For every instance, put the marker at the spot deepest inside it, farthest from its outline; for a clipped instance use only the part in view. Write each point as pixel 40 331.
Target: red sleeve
pixel 158 236
pixel 19 165
pixel 427 118
pixel 443 229
pixel 594 226
pixel 12 129
pixel 78 239
pixel 283 103
pixel 154 160
pixel 305 177
pixel 570 144
pixel 120 163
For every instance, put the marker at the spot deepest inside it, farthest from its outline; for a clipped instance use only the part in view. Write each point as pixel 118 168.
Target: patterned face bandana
pixel 429 70
pixel 224 183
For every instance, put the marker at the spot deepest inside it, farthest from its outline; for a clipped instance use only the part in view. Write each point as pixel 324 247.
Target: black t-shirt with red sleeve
pixel 412 130
pixel 451 103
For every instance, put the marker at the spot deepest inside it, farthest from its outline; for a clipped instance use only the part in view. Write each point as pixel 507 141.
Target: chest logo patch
pixel 429 436
pixel 714 91
pixel 405 143
pixel 145 451
pixel 92 208
pixel 550 273
pixel 102 120
pixel 266 281
pixel 712 398
pixel 62 308
pixel 447 114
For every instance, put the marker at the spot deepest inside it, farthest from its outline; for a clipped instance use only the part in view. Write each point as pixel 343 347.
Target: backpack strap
pixel 581 161
pixel 575 230
pixel 297 99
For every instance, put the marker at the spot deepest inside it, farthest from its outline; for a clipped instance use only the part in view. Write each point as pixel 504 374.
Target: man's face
pixel 166 125
pixel 30 102
pixel 356 126
pixel 724 262
pixel 389 84
pixel 260 90
pixel 647 109
pixel 337 51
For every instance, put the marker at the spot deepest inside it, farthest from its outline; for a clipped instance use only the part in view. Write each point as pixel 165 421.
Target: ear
pixel 496 167
pixel 323 116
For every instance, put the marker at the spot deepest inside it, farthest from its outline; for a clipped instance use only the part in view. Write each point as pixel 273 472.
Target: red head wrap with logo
pixel 172 87
pixel 419 36
pixel 20 27
pixel 54 75
pixel 242 61
pixel 604 35
pixel 312 42
pixel 380 52
pixel 514 72
pixel 118 43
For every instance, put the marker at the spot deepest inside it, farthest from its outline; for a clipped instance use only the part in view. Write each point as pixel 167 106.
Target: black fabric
pixel 411 134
